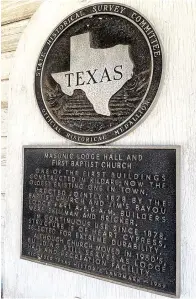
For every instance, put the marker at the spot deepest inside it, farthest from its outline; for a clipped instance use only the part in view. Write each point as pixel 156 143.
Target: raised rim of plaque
pixel 76 135
pixel 177 148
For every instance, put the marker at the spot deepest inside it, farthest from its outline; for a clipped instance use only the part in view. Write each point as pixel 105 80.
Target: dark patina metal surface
pixel 98 73
pixel 106 212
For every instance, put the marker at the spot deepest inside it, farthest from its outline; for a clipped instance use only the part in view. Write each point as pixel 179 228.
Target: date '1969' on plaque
pixel 107 212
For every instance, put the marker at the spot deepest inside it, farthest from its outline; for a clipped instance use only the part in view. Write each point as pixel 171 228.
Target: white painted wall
pixel 172 122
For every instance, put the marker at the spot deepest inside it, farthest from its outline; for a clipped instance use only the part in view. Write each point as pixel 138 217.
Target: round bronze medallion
pixel 98 73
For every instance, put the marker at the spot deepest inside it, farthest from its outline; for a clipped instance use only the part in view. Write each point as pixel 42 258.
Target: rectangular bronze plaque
pixel 107 212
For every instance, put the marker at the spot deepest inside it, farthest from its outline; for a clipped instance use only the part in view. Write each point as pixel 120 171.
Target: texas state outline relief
pixel 100 73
